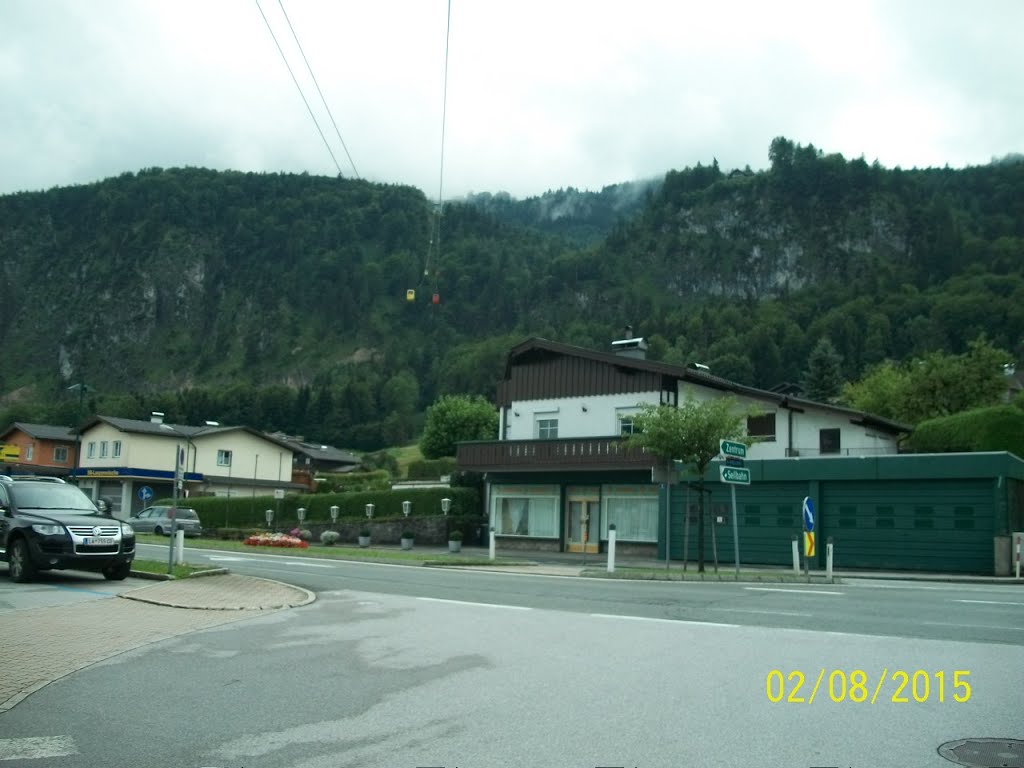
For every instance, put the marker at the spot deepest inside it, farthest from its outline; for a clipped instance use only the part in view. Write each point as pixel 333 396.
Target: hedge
pixel 431 469
pixel 247 511
pixel 999 428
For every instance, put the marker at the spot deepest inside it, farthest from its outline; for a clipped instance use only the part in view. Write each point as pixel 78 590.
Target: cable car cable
pixel 294 80
pixel 322 99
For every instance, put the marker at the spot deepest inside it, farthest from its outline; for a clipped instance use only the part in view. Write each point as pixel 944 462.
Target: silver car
pixel 159 520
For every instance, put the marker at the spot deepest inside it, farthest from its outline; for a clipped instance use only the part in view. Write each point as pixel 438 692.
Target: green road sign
pixel 738 475
pixel 730 448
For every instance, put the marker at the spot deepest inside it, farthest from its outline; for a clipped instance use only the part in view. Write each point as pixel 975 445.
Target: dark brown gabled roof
pixel 536 349
pixel 42 431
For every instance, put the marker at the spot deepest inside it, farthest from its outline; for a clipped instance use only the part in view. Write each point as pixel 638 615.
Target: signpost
pixel 734 473
pixel 808 514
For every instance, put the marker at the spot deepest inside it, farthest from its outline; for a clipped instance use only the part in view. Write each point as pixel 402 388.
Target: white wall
pixel 600 419
pixel 251 457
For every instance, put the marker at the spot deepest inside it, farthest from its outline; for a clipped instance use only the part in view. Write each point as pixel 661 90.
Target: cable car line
pixel 295 80
pixel 322 99
pixel 435 237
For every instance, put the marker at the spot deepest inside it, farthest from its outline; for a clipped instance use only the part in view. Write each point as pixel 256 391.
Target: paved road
pixel 989 613
pixel 373 680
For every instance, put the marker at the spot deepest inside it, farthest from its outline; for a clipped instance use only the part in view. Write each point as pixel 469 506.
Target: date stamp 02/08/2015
pixel 896 686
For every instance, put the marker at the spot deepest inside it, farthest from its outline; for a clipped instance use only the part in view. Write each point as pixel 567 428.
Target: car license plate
pixel 97 542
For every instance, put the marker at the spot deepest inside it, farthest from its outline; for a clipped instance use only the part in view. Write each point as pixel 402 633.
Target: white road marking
pixel 467 602
pixel 35 747
pixel 307 564
pixel 228 559
pixel 971 625
pixel 664 621
pixel 798 591
pixel 988 602
pixel 768 613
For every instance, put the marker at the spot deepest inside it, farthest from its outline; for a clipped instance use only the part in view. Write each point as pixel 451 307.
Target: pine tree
pixel 823 379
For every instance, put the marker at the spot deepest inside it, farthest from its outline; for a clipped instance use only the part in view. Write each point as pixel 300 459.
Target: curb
pixel 306 597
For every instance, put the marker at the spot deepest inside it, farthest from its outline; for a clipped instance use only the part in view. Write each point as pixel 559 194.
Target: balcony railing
pixel 539 455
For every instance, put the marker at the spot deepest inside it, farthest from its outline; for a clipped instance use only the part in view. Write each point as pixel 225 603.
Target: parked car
pixel 160 520
pixel 46 523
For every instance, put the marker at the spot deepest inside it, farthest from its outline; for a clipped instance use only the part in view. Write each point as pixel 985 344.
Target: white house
pixel 132 462
pixel 560 473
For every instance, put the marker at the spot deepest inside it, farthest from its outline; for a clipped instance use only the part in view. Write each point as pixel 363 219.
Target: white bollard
pixel 828 561
pixel 179 547
pixel 611 548
pixel 796 557
pixel 1017 566
pixel 492 543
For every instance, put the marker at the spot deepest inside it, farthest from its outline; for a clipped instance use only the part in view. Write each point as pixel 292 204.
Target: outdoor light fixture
pixel 301 511
pixel 369 510
pixel 406 508
pixel 334 513
pixel 446 505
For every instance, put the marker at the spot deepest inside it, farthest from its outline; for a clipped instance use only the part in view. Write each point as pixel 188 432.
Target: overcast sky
pixel 542 94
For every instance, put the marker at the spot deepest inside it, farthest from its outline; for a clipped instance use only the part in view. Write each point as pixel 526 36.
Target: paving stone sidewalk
pixel 42 645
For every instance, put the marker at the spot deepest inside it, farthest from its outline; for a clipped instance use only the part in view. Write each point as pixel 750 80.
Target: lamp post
pixel 406 508
pixel 334 514
pixel 177 483
pixel 81 389
pixel 446 505
pixel 301 512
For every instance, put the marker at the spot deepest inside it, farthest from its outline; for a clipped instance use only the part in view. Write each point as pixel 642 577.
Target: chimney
pixel 630 346
pixel 156 418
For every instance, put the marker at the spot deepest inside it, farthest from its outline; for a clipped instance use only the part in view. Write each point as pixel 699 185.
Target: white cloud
pixel 540 94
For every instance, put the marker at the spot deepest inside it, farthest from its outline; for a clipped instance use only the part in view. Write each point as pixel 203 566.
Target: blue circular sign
pixel 145 493
pixel 808 514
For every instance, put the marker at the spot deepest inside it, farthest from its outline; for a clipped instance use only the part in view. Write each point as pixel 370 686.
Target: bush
pixel 329 538
pixel 408 535
pixel 364 532
pixel 431 470
pixel 455 536
pixel 999 428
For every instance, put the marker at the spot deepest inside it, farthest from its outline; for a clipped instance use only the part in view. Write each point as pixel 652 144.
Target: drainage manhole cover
pixel 985 753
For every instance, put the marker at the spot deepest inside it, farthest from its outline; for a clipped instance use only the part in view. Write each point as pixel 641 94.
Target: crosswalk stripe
pixel 34 747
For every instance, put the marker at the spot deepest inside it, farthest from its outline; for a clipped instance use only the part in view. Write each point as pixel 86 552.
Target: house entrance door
pixel 581 525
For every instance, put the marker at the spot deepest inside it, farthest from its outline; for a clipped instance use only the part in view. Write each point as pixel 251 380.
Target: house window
pixel 762 427
pixel 104 449
pixel 526 512
pixel 627 426
pixel 547 429
pixel 30 452
pixel 117 449
pixel 634 513
pixel 91 450
pixel 60 454
pixel 223 458
pixel 828 440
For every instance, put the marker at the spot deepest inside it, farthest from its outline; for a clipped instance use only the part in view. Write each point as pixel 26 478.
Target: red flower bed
pixel 276 540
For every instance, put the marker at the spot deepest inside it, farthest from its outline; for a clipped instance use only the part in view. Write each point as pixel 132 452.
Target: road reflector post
pixel 491 553
pixel 1018 544
pixel 179 546
pixel 828 559
pixel 796 557
pixel 611 548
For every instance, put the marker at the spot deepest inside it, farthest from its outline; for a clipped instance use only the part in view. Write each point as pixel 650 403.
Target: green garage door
pixel 919 525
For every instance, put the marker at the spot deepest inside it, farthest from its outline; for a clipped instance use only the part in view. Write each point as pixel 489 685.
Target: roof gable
pixel 609 373
pixel 42 431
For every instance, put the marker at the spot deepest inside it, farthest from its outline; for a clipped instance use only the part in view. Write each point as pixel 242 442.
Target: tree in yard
pixel 454 418
pixel 823 380
pixel 689 433
pixel 936 385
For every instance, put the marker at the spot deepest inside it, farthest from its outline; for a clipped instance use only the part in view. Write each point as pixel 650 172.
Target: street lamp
pixel 301 512
pixel 177 484
pixel 81 389
pixel 406 508
pixel 334 514
pixel 369 511
pixel 446 505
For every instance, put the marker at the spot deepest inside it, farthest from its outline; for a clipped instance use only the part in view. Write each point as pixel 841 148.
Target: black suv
pixel 46 523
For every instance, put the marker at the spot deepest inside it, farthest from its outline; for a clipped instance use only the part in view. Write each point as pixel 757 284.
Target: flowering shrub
pixel 302 533
pixel 276 540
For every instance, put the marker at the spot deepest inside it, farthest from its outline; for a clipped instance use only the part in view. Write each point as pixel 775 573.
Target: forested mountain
pixel 280 300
